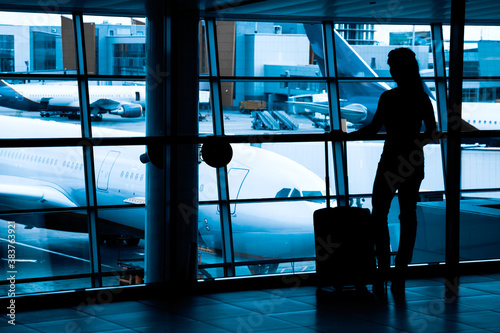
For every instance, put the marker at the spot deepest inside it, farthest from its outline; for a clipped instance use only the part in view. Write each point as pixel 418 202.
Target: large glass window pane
pixel 120 175
pixel 480 204
pixel 205 109
pixel 480 50
pixel 209 241
pixel 479 96
pixel 25 104
pixel 358 102
pixel 481 105
pixel 276 170
pixel 362 49
pixel 40 178
pixel 268 49
pixel 431 226
pixel 121 238
pixel 362 161
pixel 363 158
pixel 292 107
pixel 209 225
pixel 46 245
pixel 274 230
pixel 118 45
pixel 118 105
pixel 36 44
pixel 479 221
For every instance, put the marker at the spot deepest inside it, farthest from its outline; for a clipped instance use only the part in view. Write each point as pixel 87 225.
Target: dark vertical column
pixel 157 96
pixel 453 155
pixel 172 113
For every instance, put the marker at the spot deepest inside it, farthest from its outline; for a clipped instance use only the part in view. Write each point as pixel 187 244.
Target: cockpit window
pixel 283 193
pixel 314 194
pixel 311 193
pixel 295 193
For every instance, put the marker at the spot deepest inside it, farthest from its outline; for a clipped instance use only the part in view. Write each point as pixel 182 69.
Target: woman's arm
pixel 377 122
pixel 428 118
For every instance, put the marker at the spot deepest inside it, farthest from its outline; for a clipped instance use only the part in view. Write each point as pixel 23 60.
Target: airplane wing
pixel 304 107
pixel 15 193
pixel 126 110
pixel 106 104
pixel 353 113
pixel 136 200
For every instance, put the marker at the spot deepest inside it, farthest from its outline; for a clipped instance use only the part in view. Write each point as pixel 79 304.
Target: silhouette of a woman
pixel 401 112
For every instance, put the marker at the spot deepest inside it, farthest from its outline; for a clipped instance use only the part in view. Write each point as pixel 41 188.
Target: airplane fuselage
pixel 63 98
pixel 45 178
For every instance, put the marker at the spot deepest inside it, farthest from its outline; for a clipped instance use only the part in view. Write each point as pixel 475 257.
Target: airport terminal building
pixel 161 163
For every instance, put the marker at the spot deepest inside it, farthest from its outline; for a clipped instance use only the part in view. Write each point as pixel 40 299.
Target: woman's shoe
pixel 398 287
pixel 379 289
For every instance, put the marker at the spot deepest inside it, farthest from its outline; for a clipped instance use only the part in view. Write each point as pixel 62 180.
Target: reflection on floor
pixel 424 309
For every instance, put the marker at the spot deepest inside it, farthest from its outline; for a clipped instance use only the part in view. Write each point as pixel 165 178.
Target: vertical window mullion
pixel 213 62
pixel 453 155
pixel 88 152
pixel 222 180
pixel 440 82
pixel 338 147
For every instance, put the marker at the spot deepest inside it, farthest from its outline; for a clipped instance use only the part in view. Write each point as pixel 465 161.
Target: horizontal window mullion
pixel 310 198
pixel 65 77
pixel 481 78
pixel 139 141
pixel 481 134
pixel 110 77
pixel 259 200
pixel 80 142
pixel 68 209
pixel 48 278
pixel 257 262
pixel 269 78
pixel 72 277
pixel 43 211
pixel 478 190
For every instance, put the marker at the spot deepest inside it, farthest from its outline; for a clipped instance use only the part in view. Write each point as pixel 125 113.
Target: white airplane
pixel 482 116
pixel 61 99
pixel 45 178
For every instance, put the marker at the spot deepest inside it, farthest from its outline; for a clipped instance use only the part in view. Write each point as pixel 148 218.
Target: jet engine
pixel 128 111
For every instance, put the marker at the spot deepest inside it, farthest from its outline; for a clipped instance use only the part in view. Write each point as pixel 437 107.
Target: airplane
pixel 47 178
pixel 128 101
pixel 359 100
pixel 62 100
pixel 481 116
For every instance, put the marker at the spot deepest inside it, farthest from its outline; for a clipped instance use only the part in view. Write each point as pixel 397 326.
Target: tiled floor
pixel 425 309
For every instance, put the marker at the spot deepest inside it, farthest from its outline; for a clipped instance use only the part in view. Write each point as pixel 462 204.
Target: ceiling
pixel 375 11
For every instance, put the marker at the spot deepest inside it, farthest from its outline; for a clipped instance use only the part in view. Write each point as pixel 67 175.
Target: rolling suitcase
pixel 345 249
